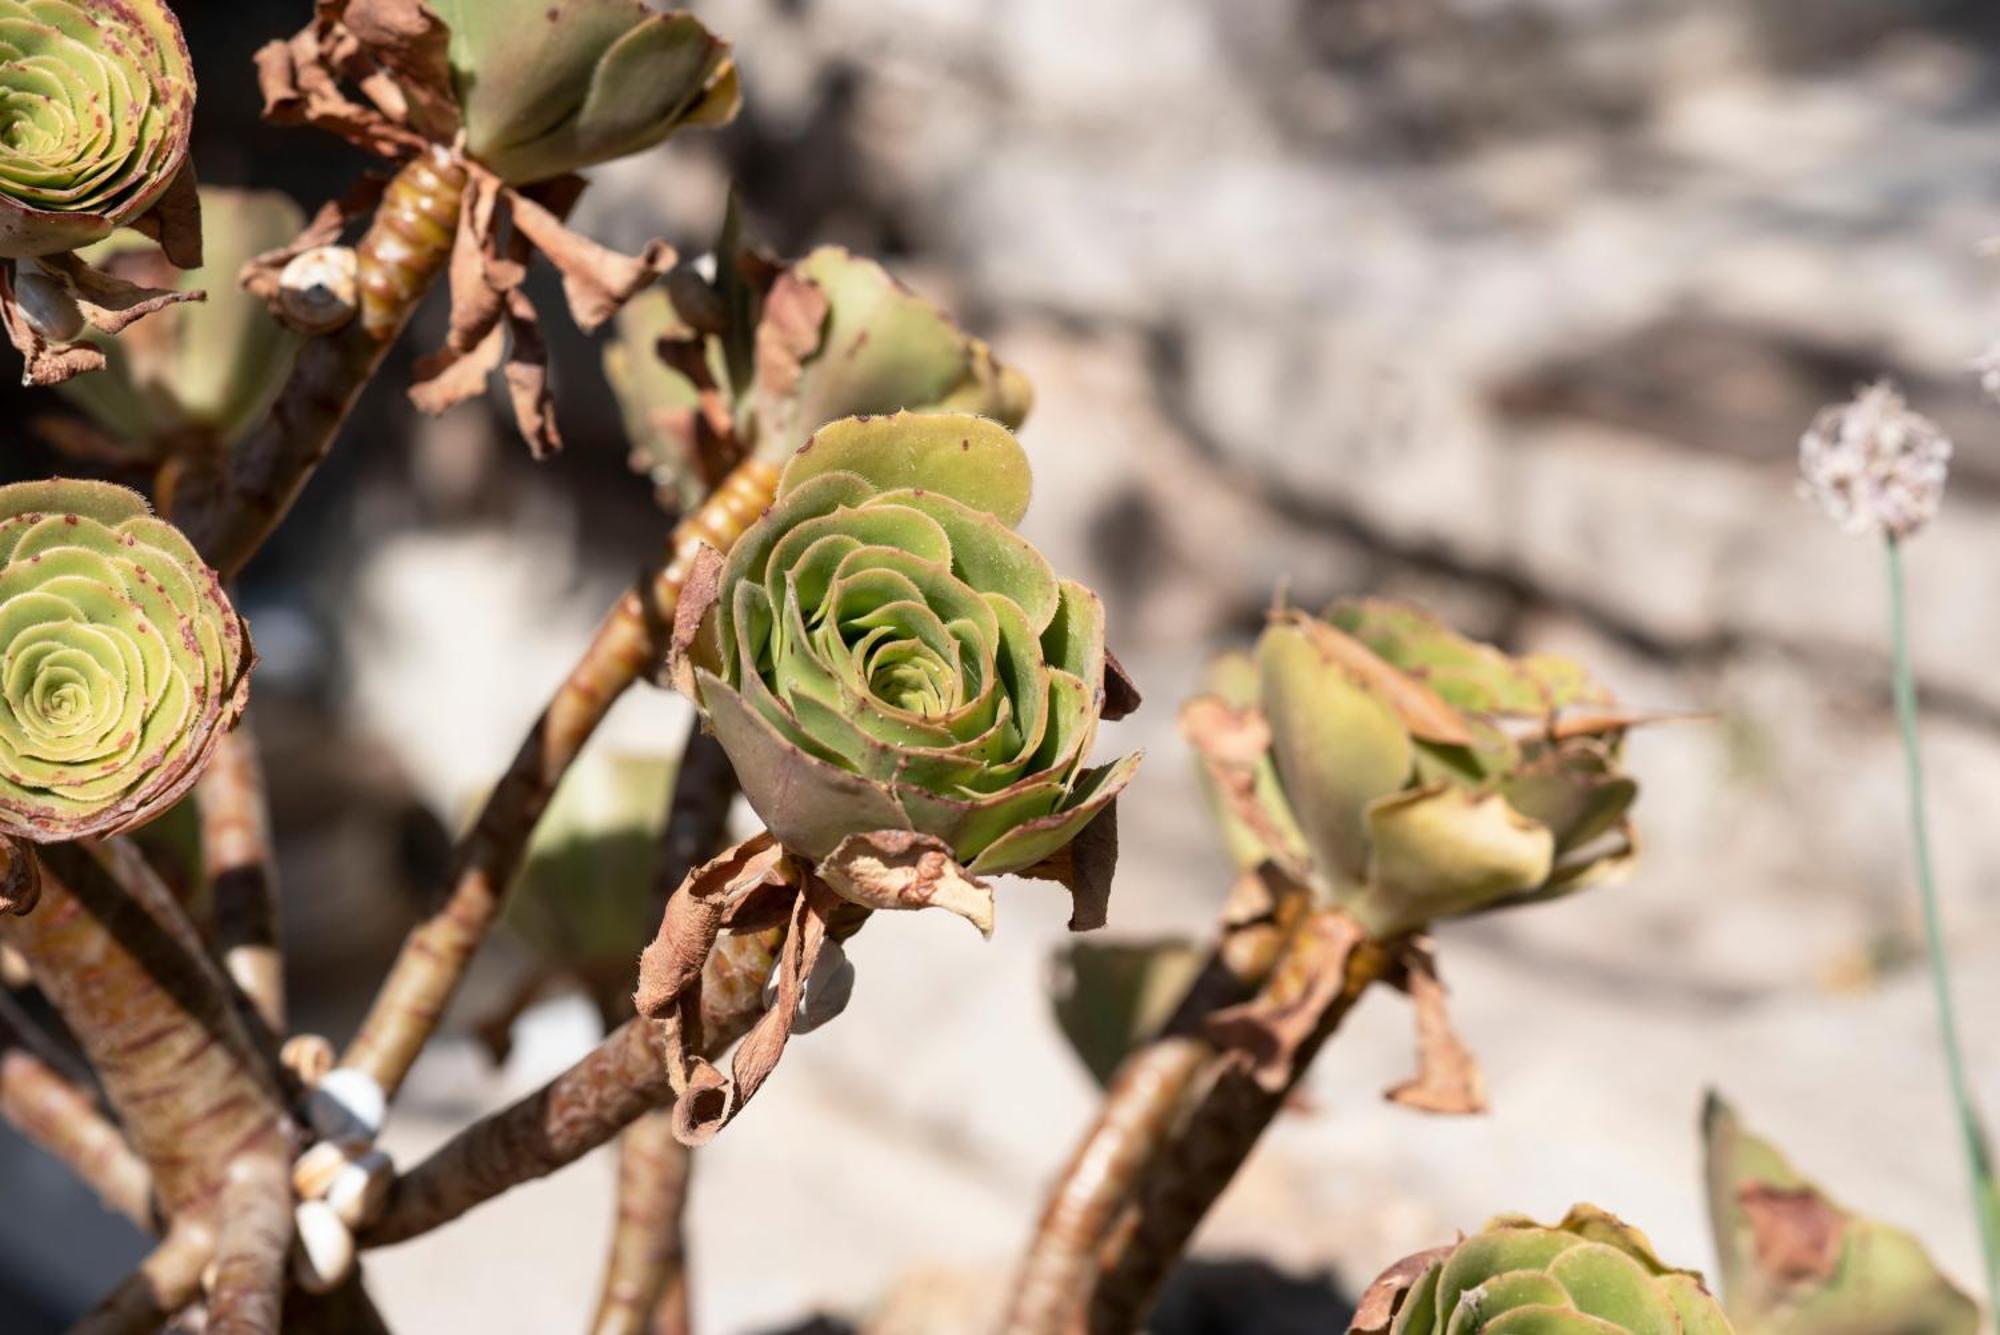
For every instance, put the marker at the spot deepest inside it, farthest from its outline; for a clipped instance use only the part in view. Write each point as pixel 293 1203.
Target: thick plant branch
pixel 246 1294
pixel 631 640
pixel 1150 1088
pixel 401 255
pixel 166 1281
pixel 44 1106
pixel 111 950
pixel 242 876
pixel 645 1279
pixel 1326 966
pixel 617 1082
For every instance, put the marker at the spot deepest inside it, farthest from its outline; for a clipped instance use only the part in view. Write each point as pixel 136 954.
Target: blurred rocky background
pixel 1513 306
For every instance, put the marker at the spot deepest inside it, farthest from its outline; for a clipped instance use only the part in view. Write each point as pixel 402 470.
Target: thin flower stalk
pixel 242 874
pixel 1978 1155
pixel 645 1289
pixel 617 1082
pixel 50 1110
pixel 253 1234
pixel 629 642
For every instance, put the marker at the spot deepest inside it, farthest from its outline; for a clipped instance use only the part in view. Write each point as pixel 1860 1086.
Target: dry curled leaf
pixel 1377 1309
pixel 901 869
pixel 1448 1079
pixel 1084 866
pixel 596 279
pixel 1267 1032
pixel 108 302
pixel 699 593
pixel 20 877
pixel 1796 1233
pixel 174 221
pixel 301 77
pixel 671 965
pixel 1231 742
pixel 788 333
pixel 1121 694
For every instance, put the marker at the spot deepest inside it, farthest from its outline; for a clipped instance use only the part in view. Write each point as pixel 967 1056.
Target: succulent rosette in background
pixel 1410 774
pixel 100 99
pixel 124 662
pixel 1792 1262
pixel 197 378
pixel 760 357
pixel 506 100
pixel 1591 1274
pixel 896 674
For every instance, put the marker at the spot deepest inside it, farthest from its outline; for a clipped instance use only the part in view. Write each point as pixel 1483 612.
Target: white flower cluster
pixel 1875 465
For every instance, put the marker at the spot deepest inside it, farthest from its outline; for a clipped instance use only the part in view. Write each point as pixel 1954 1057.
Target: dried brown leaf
pixel 596 279
pixel 699 594
pixel 527 374
pixel 1121 695
pixel 410 44
pixel 109 302
pixel 1796 1233
pixel 901 869
pixel 694 914
pixel 1084 867
pixel 300 82
pixel 20 877
pixel 1380 1303
pixel 174 220
pixel 44 362
pixel 1448 1079
pixel 1231 742
pixel 789 332
pixel 449 376
pixel 1268 1031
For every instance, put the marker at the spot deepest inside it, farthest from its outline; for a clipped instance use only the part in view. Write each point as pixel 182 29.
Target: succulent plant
pixel 835 335
pixel 584 897
pixel 1591 1274
pixel 1413 774
pixel 124 661
pixel 1792 1262
pixel 100 100
pixel 207 368
pixel 553 86
pixel 885 653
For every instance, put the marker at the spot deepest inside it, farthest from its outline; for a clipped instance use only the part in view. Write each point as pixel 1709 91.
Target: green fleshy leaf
pixel 968 459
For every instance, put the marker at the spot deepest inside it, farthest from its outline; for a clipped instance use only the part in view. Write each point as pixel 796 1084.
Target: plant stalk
pixel 242 875
pixel 645 1279
pixel 1978 1156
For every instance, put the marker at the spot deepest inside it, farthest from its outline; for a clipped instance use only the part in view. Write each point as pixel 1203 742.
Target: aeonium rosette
pixel 891 666
pixel 1591 1274
pixel 99 100
pixel 1410 774
pixel 121 661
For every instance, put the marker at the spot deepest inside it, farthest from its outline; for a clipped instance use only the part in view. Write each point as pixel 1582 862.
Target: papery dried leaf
pixel 901 869
pixel 596 279
pixel 44 362
pixel 20 877
pixel 1231 743
pixel 709 1101
pixel 478 277
pixel 174 221
pixel 694 914
pixel 448 377
pixel 1448 1079
pixel 110 303
pixel 1121 694
pixel 300 84
pixel 699 594
pixel 788 333
pixel 1382 1299
pixel 411 44
pixel 1267 1031
pixel 527 375
pixel 1084 867
pixel 1796 1232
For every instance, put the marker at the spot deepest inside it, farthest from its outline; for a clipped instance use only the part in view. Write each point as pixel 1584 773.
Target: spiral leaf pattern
pixel 121 661
pixel 96 102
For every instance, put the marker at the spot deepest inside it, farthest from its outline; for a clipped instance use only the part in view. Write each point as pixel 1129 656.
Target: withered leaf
pixel 699 594
pixel 596 279
pixel 1121 695
pixel 901 869
pixel 1377 1309
pixel 1423 711
pixel 20 877
pixel 789 332
pixel 1268 1031
pixel 1796 1232
pixel 527 374
pixel 694 914
pixel 110 303
pixel 1084 866
pixel 44 362
pixel 1448 1079
pixel 174 221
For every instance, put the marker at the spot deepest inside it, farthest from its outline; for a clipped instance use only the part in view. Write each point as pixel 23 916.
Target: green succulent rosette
pixel 584 898
pixel 546 87
pixel 1592 1274
pixel 705 370
pixel 100 101
pixel 1412 774
pixel 1793 1262
pixel 208 369
pixel 121 661
pixel 885 653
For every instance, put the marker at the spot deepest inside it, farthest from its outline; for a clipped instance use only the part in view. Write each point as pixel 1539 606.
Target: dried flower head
pixel 1875 465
